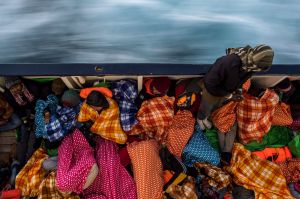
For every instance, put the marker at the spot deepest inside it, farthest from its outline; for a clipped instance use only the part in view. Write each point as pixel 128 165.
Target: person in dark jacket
pixel 8 120
pixel 226 76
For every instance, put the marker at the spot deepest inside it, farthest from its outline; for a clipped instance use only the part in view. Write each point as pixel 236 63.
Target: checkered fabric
pixel 67 117
pixel 31 176
pixel 147 168
pixel 179 132
pixel 224 117
pixel 185 191
pixel 106 124
pixel 113 181
pixel 199 149
pixel 74 162
pixel 54 130
pixel 48 189
pixel 125 93
pixel 251 172
pixel 155 116
pixel 282 115
pixel 62 119
pixel 216 176
pixel 255 115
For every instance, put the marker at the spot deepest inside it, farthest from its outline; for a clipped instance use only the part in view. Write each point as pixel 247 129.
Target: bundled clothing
pixel 274 154
pixel 212 137
pixel 198 149
pixel 290 169
pixel 125 93
pixel 31 176
pixel 187 95
pixel 76 165
pixel 294 146
pixel 251 172
pixel 48 189
pixel 112 181
pixel 216 176
pixel 155 116
pixel 62 119
pixel 225 117
pixel 147 168
pixel 184 188
pixel 180 131
pixel 153 87
pixel 282 115
pixel 254 116
pixel 278 136
pixel 106 123
pixel 19 91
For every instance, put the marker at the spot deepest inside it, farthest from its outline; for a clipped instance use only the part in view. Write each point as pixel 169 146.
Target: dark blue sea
pixel 144 31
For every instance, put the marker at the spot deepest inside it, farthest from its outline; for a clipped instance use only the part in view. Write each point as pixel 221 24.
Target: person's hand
pixel 237 97
pixel 204 124
pixel 47 117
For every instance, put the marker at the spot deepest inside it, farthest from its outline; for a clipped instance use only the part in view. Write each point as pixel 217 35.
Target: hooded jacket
pixel 225 76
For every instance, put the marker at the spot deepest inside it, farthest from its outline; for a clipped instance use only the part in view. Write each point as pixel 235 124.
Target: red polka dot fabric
pixel 75 160
pixel 147 169
pixel 180 131
pixel 113 181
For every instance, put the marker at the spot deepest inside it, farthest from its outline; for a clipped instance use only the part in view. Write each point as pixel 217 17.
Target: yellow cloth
pixel 31 176
pixel 262 176
pixel 106 124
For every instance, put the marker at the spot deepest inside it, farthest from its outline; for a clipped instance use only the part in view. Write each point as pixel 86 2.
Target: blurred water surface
pixel 150 31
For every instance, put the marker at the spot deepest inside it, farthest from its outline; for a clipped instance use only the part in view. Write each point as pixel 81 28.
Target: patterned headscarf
pixel 62 119
pixel 255 59
pixel 41 105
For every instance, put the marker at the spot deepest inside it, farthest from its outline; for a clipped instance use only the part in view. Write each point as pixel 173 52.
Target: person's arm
pixel 214 78
pixel 233 76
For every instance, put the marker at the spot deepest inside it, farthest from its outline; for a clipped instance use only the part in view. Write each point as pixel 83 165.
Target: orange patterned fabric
pixel 86 91
pixel 180 131
pixel 31 176
pixel 255 115
pixel 282 115
pixel 251 172
pixel 147 169
pixel 225 117
pixel 106 124
pixel 155 116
